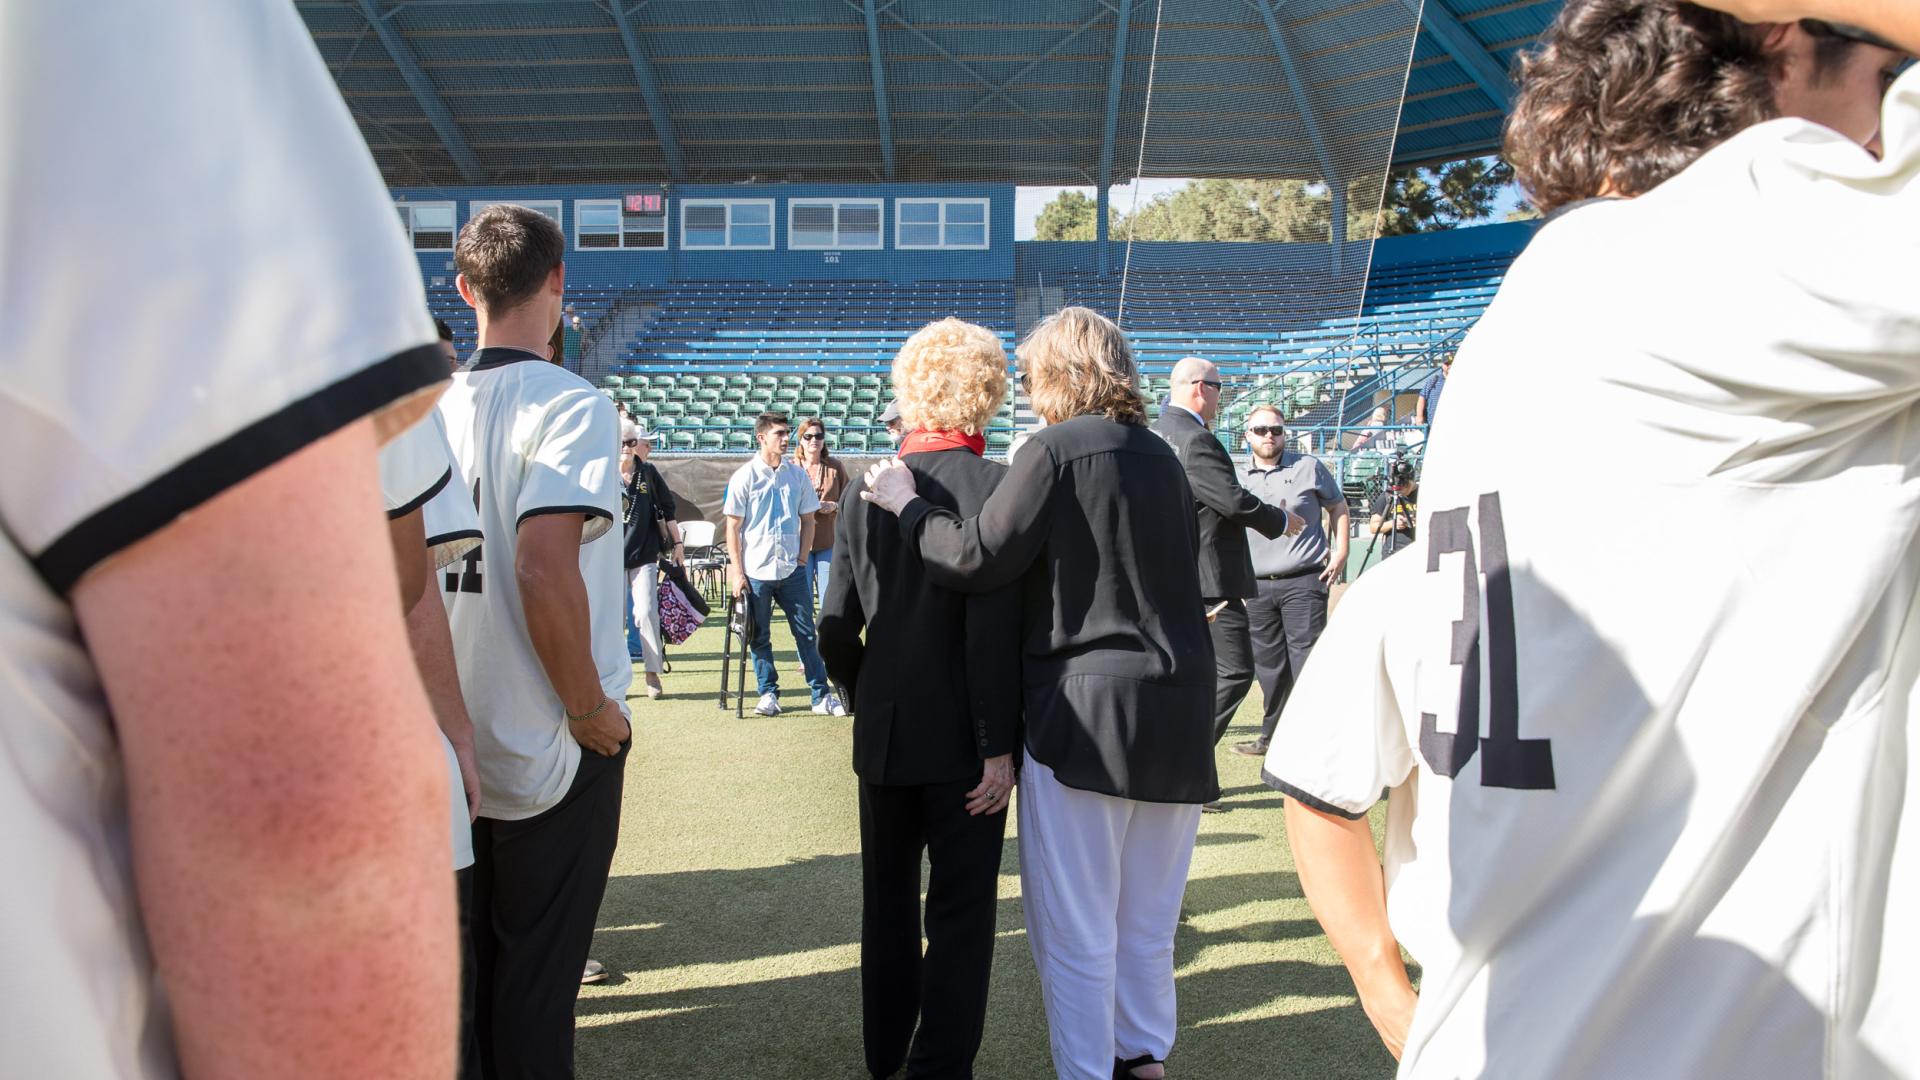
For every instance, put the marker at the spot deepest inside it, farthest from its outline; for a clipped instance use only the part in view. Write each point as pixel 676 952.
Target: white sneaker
pixel 595 972
pixel 830 706
pixel 769 704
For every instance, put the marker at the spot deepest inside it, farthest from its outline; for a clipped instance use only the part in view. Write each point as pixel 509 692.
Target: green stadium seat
pixel 612 382
pixel 851 442
pixel 740 440
pixel 682 440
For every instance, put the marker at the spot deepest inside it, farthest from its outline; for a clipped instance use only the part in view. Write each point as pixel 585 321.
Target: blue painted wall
pixel 618 268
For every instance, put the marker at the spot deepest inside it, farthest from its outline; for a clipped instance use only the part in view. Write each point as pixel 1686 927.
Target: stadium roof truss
pixel 1028 91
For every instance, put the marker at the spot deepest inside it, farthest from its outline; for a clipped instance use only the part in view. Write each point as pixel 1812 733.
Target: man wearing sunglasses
pixel 1293 574
pixel 1227 512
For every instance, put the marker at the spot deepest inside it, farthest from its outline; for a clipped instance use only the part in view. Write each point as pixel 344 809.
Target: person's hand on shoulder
pixel 889 486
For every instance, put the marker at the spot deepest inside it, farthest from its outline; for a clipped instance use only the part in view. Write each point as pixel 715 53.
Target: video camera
pixel 1400 470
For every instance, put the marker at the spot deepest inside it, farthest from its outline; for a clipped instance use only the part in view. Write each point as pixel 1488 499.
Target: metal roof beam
pixel 1466 50
pixel 1309 116
pixel 1116 75
pixel 881 113
pixel 992 89
pixel 426 94
pixel 650 90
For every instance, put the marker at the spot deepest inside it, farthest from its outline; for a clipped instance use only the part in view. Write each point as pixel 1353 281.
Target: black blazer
pixel 1095 522
pixel 936 685
pixel 1224 509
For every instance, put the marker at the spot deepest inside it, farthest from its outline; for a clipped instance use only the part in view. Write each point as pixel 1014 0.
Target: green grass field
pixel 732 921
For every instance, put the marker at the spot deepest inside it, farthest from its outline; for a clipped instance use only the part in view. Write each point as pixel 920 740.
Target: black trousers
pixel 537 886
pixel 1284 620
pixel 1232 662
pixel 469 1044
pixel 946 991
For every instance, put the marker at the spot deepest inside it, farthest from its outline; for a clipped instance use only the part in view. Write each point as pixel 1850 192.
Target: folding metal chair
pixel 740 625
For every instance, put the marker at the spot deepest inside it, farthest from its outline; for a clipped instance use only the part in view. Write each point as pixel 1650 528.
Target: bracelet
pixel 589 714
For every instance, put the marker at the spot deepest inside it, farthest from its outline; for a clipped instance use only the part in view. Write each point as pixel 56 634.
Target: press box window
pixel 606 223
pixel 550 208
pixel 716 224
pixel 940 223
pixel 833 224
pixel 429 226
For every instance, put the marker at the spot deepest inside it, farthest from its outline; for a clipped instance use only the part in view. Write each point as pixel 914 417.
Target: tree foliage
pixel 1070 216
pixel 1296 211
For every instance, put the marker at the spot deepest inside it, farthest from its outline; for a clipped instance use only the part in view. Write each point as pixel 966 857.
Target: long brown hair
pixel 1080 363
pixel 1622 94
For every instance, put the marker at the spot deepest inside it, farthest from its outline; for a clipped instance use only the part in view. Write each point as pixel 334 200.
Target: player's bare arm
pixel 432 642
pixel 291 867
pixel 1341 877
pixel 554 597
pixel 407 539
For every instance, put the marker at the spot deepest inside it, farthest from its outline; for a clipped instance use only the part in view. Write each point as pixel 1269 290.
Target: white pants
pixel 643 586
pixel 1101 879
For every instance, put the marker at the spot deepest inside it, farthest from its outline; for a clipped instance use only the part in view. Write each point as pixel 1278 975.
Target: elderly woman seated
pixel 936 693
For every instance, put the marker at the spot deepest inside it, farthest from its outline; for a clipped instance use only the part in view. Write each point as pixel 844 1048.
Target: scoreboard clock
pixel 646 202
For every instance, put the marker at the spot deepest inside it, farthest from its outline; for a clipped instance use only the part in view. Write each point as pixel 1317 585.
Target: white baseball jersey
pixel 530 438
pixel 1647 702
pixel 160 343
pixel 416 473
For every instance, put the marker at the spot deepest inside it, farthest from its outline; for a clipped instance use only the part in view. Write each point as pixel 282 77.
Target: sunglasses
pixel 1821 28
pixel 630 442
pixel 1214 383
pixel 1263 430
pixel 1024 379
pixel 812 437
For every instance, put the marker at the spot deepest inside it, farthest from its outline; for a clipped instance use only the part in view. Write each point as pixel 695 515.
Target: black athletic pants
pixel 1232 662
pixel 469 1043
pixel 537 885
pixel 1284 620
pixel 946 992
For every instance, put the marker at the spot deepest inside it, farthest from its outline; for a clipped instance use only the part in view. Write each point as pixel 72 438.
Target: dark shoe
pixel 1123 1070
pixel 1251 748
pixel 1213 807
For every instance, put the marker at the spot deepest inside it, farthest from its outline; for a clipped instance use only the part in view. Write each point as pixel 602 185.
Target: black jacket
pixel 1095 521
pixel 936 685
pixel 646 493
pixel 1224 509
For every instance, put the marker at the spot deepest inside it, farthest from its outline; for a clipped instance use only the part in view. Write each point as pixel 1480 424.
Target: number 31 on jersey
pixel 1506 759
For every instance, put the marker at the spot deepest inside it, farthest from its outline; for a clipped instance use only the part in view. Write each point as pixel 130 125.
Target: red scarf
pixel 920 441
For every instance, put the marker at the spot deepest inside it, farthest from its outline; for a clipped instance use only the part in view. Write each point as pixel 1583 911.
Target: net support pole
pixel 1110 128
pixel 1309 119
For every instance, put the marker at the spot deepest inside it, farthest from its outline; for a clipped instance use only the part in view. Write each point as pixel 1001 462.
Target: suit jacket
pixel 1093 522
pixel 1224 509
pixel 936 683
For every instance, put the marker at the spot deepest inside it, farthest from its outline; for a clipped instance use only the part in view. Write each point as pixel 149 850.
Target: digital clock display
pixel 646 202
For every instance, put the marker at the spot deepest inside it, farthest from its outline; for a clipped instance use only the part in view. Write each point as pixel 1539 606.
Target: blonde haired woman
pixel 1095 523
pixel 936 688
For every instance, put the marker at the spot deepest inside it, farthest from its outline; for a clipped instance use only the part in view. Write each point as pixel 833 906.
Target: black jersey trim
pixel 459 534
pixel 541 511
pixel 1305 799
pixel 497 356
pixel 238 457
pixel 425 497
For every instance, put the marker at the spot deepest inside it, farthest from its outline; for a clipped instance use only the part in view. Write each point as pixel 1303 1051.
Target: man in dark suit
pixel 1225 511
pixel 936 691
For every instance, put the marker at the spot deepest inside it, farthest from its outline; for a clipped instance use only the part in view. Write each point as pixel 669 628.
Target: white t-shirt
pixel 1680 837
pixel 532 438
pixel 157 347
pixel 415 473
pixel 769 501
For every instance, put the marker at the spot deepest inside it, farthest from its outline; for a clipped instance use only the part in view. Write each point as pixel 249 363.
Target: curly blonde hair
pixel 1078 362
pixel 950 376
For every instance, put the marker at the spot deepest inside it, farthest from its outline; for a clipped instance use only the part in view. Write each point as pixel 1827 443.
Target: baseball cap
pixel 890 413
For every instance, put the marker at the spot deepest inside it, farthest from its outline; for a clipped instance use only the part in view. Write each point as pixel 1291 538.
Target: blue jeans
pixel 795 597
pixel 819 564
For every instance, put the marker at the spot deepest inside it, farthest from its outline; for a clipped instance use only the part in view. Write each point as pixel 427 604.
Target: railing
pixel 1370 360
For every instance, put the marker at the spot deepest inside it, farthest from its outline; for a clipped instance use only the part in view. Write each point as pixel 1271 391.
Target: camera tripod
pixel 1395 509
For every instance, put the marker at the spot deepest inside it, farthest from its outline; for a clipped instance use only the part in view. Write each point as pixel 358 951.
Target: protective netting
pixel 762 198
